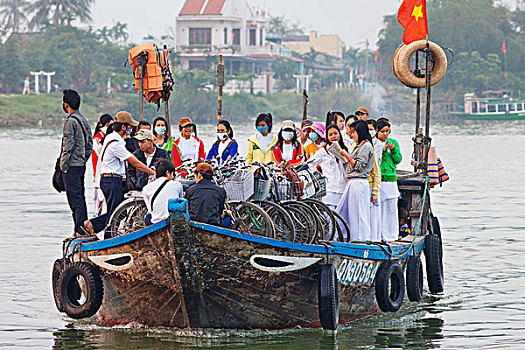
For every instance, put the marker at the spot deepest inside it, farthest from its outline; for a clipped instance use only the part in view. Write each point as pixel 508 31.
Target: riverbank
pixel 46 110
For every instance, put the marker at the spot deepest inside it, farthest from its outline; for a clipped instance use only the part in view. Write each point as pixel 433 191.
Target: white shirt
pixel 114 156
pixel 173 189
pixel 189 149
pixel 287 151
pixel 265 141
pixel 333 170
pixel 222 147
pixel 347 140
pixel 150 157
pixel 378 148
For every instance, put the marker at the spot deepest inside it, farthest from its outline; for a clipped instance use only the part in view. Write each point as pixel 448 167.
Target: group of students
pixel 354 153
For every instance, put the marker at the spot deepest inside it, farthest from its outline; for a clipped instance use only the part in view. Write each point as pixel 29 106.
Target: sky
pixel 355 21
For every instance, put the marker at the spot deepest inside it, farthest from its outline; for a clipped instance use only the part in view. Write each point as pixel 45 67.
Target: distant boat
pixel 494 105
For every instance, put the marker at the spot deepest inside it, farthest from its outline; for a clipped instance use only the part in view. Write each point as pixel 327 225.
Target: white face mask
pixel 223 136
pixel 104 129
pixel 372 132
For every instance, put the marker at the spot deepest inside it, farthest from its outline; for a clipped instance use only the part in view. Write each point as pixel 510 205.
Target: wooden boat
pixel 185 274
pixel 494 105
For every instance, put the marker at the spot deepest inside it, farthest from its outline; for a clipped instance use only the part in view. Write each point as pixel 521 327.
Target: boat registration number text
pixel 352 272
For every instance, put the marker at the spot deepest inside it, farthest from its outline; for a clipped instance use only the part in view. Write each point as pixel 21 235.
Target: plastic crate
pixel 240 186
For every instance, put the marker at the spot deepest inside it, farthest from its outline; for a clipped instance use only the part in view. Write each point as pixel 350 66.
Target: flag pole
pixel 427 114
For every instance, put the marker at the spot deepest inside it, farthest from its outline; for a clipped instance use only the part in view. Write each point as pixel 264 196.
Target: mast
pixel 220 84
pixel 305 105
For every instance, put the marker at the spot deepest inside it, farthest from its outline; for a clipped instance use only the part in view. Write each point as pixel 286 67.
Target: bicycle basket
pixel 240 186
pixel 322 188
pixel 261 189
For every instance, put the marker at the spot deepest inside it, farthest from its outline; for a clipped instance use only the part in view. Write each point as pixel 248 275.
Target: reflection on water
pixel 482 218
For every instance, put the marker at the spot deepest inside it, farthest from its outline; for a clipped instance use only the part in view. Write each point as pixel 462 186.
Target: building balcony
pixel 208 49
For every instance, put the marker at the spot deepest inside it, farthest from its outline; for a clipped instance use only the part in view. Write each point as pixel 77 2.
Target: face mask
pixel 223 136
pixel 372 132
pixel 287 135
pixel 128 131
pixel 160 130
pixel 263 129
pixel 104 129
pixel 313 136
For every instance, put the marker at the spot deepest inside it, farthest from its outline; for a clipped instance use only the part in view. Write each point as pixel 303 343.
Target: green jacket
pixel 389 161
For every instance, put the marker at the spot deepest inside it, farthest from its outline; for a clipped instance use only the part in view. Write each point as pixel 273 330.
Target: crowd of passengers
pixel 354 153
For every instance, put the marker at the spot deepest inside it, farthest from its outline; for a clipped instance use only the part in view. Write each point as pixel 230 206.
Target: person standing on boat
pixel 336 118
pixel 100 132
pixel 148 153
pixel 112 171
pixel 347 134
pixel 389 192
pixel 77 146
pixel 225 147
pixel 305 140
pixel 374 180
pixel 287 149
pixel 206 199
pixel 158 193
pixel 331 166
pixel 187 146
pixel 260 145
pixel 316 133
pixel 354 205
pixel 162 140
pixel 362 113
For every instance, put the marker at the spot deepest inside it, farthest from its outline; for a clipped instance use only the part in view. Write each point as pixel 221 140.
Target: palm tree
pixel 60 12
pixel 119 32
pixel 12 13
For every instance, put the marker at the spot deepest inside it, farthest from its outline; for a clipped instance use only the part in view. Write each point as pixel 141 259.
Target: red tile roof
pixel 197 7
pixel 214 7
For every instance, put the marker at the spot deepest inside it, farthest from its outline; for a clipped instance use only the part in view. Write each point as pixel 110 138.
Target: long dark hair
pixel 228 127
pixel 340 142
pixel 280 139
pixel 331 118
pixel 381 124
pixel 361 129
pixel 103 120
pixel 267 118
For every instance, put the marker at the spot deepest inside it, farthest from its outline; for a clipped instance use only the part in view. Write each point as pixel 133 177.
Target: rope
pixel 418 230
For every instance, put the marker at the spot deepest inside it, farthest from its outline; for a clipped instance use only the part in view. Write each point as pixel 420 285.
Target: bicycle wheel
pixel 304 221
pixel 326 218
pixel 340 220
pixel 282 221
pixel 128 217
pixel 250 218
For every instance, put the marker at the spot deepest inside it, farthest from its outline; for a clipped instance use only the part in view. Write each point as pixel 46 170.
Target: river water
pixel 482 214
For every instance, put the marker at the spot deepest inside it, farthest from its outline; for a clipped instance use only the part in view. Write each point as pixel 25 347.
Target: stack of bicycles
pixel 282 203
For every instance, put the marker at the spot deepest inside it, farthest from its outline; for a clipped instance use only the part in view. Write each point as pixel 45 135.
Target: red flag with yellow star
pixel 412 16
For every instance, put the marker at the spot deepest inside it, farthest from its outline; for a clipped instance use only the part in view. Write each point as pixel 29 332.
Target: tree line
pixel 475 30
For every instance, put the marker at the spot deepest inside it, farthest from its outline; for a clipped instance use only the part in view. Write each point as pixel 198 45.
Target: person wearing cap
pixel 188 146
pixel 305 129
pixel 260 145
pixel 148 153
pixel 317 136
pixel 362 113
pixel 287 149
pixel 206 199
pixel 112 171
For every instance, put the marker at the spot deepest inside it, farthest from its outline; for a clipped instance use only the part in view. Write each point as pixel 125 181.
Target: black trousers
pixel 112 189
pixel 75 193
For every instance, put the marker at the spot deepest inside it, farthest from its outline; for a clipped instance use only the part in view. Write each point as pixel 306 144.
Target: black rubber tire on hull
pixel 328 297
pixel 414 278
pixel 390 286
pixel 58 268
pixel 434 262
pixel 80 290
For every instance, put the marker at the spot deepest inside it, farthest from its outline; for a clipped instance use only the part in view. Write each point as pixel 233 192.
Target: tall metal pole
pixel 427 119
pixel 418 118
pixel 220 84
pixel 141 86
pixel 305 105
pixel 165 53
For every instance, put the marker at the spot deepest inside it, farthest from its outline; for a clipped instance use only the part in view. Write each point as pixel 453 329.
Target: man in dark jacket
pixel 148 153
pixel 76 150
pixel 206 199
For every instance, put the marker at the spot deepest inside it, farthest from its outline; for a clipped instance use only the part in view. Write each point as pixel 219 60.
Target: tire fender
pixel 70 290
pixel 58 268
pixel 328 297
pixel 434 262
pixel 390 286
pixel 414 278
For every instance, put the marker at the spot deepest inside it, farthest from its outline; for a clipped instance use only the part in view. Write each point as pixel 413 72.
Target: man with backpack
pixel 76 150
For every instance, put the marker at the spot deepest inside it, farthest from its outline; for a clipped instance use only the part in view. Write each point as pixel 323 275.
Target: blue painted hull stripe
pixel 346 249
